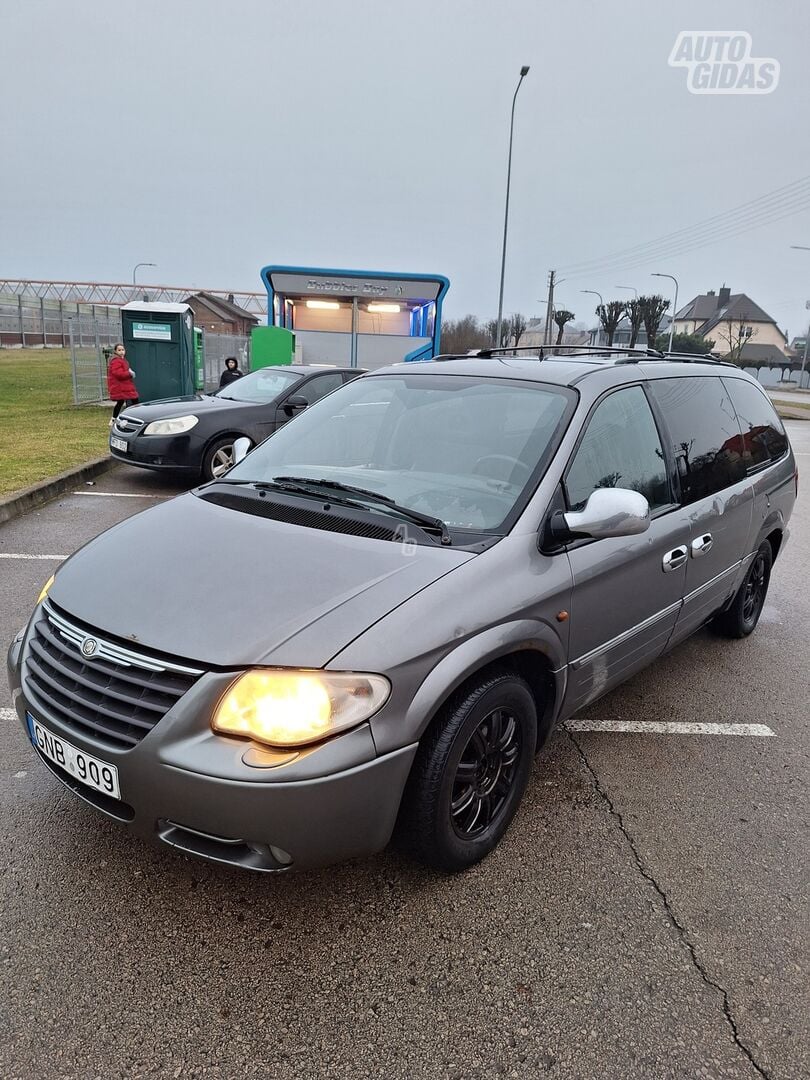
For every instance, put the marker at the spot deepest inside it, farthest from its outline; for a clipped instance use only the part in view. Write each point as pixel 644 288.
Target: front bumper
pixel 223 799
pixel 179 453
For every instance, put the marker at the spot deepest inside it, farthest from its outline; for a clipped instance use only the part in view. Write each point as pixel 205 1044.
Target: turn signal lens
pixel 46 588
pixel 284 707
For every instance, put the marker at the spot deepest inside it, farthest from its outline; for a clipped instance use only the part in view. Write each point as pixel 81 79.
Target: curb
pixel 21 502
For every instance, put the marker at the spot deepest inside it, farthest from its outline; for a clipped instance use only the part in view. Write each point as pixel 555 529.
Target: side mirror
pixel 608 512
pixel 240 449
pixel 294 403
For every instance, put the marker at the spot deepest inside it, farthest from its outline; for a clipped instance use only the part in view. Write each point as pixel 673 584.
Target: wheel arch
pixel 530 650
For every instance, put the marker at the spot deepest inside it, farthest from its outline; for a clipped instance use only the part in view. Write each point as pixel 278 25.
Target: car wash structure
pixel 359 318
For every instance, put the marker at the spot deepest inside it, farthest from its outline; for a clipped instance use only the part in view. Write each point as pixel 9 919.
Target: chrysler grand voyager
pixel 436 563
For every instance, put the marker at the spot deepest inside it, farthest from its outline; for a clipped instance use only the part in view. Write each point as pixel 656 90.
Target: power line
pixel 777 213
pixel 735 216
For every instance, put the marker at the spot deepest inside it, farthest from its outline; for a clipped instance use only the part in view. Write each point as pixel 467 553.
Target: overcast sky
pixel 214 137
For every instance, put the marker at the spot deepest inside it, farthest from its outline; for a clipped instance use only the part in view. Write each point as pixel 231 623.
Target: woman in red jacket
pixel 120 384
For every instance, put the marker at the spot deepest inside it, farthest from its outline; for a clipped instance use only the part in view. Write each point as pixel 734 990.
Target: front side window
pixel 319 387
pixel 763 436
pixel 620 448
pixel 458 448
pixel 705 435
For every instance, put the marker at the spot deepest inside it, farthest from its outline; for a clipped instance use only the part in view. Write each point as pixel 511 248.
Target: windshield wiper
pixel 307 485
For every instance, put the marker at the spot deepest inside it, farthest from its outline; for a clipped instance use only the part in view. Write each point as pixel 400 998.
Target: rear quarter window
pixel 763 436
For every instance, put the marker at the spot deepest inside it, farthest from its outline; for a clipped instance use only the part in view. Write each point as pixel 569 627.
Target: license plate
pixel 118 444
pixel 90 770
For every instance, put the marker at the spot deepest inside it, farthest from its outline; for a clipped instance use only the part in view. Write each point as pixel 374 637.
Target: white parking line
pixel 121 495
pixel 17 555
pixel 7 715
pixel 654 727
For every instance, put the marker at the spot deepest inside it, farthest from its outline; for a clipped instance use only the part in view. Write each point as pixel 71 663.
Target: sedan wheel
pixel 218 459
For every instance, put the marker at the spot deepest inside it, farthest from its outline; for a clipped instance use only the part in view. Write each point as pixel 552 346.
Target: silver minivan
pixel 427 570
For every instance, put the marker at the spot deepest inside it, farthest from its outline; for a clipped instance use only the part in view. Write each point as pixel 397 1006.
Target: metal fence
pixel 217 347
pixel 34 322
pixel 89 364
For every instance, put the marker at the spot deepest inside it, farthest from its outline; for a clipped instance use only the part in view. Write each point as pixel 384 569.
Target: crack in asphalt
pixel 681 931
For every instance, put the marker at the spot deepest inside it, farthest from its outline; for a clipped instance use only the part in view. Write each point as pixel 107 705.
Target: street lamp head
pixel 524 70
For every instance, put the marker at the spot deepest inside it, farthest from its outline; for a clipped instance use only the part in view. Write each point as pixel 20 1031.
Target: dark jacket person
pixel 231 372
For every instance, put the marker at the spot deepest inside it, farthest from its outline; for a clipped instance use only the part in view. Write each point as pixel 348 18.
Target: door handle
pixel 702 545
pixel 675 558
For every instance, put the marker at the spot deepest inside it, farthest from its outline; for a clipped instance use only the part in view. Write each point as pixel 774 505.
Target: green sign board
pixel 152 331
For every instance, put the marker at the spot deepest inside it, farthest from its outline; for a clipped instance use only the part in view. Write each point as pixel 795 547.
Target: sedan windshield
pixel 260 386
pixel 460 449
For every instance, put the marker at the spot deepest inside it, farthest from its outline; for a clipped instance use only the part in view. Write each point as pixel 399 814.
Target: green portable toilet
pixel 199 359
pixel 159 339
pixel 271 346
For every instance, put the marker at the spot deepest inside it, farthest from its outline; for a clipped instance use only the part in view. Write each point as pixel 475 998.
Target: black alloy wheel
pixel 485 773
pixel 742 615
pixel 470 772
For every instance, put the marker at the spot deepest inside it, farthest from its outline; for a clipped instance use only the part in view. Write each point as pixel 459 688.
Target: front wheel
pixel 218 458
pixel 470 773
pixel 742 616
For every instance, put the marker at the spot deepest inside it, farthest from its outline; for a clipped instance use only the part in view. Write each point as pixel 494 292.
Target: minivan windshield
pixel 460 449
pixel 260 386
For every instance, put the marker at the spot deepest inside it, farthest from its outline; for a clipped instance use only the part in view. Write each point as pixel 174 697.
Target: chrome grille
pixel 96 686
pixel 127 425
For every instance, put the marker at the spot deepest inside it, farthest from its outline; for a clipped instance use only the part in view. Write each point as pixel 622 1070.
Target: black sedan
pixel 195 434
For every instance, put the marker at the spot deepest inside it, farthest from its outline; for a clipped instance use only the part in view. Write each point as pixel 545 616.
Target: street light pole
pixel 629 288
pixel 651 344
pixel 135 269
pixel 803 247
pixel 593 292
pixel 524 71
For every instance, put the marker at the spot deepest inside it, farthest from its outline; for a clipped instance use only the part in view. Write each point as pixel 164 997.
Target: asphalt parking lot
pixel 646 916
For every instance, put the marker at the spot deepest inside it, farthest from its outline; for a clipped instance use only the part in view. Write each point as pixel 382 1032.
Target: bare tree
pixel 610 315
pixel 461 335
pixel 491 330
pixel 632 310
pixel 517 328
pixel 652 312
pixel 736 333
pixel 561 317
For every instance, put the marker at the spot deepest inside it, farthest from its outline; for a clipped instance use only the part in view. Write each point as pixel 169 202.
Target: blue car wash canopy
pixel 357 318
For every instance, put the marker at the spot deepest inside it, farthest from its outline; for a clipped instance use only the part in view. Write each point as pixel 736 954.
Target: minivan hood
pixel 213 585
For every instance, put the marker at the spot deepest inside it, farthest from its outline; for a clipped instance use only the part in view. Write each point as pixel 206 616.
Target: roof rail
pixel 542 351
pixel 681 358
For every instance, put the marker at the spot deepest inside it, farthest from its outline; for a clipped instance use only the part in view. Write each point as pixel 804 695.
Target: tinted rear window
pixel 704 433
pixel 764 438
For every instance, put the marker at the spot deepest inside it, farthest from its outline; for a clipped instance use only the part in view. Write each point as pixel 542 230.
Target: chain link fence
pixel 91 345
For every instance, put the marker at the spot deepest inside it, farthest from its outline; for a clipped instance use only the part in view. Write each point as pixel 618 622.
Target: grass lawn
pixel 792 404
pixel 41 431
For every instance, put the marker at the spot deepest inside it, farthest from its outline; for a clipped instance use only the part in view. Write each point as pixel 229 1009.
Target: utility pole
pixel 552 277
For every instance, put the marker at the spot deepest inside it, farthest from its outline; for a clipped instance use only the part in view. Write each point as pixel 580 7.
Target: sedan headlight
pixel 286 707
pixel 175 426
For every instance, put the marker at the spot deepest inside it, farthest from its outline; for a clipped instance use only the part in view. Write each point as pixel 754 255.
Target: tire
pixel 218 458
pixel 470 773
pixel 741 617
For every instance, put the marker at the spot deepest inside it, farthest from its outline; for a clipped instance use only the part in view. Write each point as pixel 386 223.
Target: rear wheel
pixel 470 774
pixel 218 458
pixel 741 618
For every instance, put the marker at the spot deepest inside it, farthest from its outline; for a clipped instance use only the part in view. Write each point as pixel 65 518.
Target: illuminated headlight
pixel 176 426
pixel 46 588
pixel 285 707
